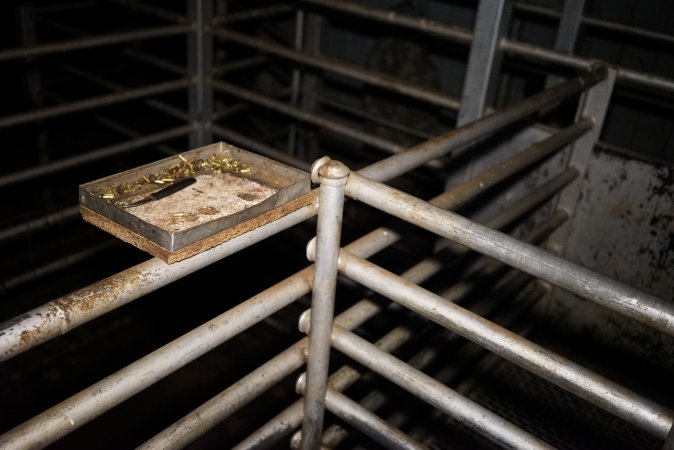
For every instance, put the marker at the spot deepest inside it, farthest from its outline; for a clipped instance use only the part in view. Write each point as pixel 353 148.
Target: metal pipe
pixel 480 419
pixel 520 49
pixel 94 155
pixel 66 313
pixel 594 388
pixel 379 120
pixel 95 102
pixel 259 147
pixel 598 288
pixel 332 177
pixel 346 375
pixel 598 23
pixel 520 161
pixel 246 389
pixel 431 27
pixel 257 13
pixel 56 265
pixel 243 63
pixel 308 117
pixel 93 401
pixel 363 420
pixel 38 223
pixel 94 41
pixel 151 10
pixel 634 77
pixel 107 393
pixel 378 79
pixel 218 408
pixel 457 139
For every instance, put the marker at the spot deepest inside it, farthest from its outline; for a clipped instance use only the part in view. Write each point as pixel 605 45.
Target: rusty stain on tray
pixel 211 197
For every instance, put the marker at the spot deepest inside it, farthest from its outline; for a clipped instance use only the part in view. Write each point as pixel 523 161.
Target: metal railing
pixel 320 390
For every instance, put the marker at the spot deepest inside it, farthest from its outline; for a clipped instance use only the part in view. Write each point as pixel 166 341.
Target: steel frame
pixel 320 390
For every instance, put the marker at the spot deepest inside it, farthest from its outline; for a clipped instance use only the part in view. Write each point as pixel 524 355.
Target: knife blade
pixel 163 192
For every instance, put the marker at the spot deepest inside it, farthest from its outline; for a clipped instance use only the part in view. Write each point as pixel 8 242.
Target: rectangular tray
pixel 246 191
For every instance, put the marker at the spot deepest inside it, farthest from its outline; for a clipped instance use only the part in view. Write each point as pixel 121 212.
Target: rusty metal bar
pixel 431 27
pixel 95 102
pixel 515 48
pixel 66 313
pixel 259 147
pixel 594 388
pixel 94 41
pixel 378 79
pixel 38 223
pixel 94 155
pixel 151 10
pixel 308 117
pixel 598 23
pixel 250 14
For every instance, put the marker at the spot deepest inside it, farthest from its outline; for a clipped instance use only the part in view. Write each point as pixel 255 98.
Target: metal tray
pixel 235 191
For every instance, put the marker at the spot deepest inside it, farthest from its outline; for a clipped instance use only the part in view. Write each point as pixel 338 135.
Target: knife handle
pixel 173 188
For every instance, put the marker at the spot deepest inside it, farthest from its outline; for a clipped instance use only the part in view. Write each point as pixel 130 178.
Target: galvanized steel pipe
pixel 604 393
pixel 455 140
pixel 480 419
pixel 332 176
pixel 586 283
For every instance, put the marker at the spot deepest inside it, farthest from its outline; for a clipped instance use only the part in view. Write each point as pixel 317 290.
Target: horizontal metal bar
pixel 381 80
pixel 515 48
pixel 94 155
pixel 94 41
pixel 435 393
pixel 243 63
pixel 39 223
pixel 95 102
pixel 375 119
pixel 66 313
pixel 598 288
pixel 362 419
pixel 456 141
pixel 623 74
pixel 598 23
pixel 107 393
pixel 151 10
pixel 598 390
pixel 260 147
pixel 249 14
pixel 93 401
pixel 430 27
pixel 57 265
pixel 218 408
pixel 521 160
pixel 307 116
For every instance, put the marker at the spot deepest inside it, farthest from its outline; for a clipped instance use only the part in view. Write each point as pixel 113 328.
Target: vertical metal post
pixel 491 24
pixel 32 77
pixel 307 143
pixel 593 104
pixel 200 62
pixel 567 32
pixel 296 78
pixel 332 177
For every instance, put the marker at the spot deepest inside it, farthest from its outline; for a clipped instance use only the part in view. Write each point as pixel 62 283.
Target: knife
pixel 163 192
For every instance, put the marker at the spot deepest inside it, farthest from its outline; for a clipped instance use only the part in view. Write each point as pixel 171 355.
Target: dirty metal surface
pixel 218 201
pixel 623 227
